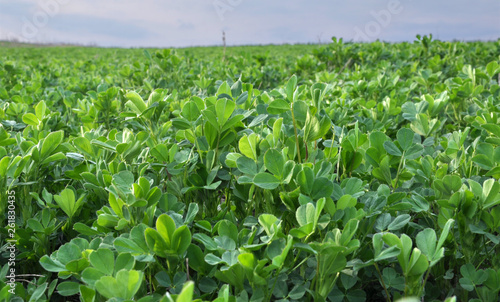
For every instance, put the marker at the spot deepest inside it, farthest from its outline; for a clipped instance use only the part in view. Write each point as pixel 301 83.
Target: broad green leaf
pixel 247 166
pixel 50 143
pixel 492 68
pixel 414 152
pixel 40 110
pixel 305 214
pixel 490 195
pixel 165 226
pixel 399 222
pixel 291 85
pixel 135 102
pixel 248 145
pixel 51 265
pixel 30 119
pixel 190 111
pixel 224 108
pixel 267 221
pixel 278 106
pixel 305 179
pixel 346 201
pixel 54 157
pixel 405 138
pixel 312 129
pixel 322 187
pixel 277 129
pixel 273 159
pixel 125 285
pixel 426 242
pixel 103 260
pixel 66 201
pixel 83 145
pixel 181 239
pixel 87 294
pixel 186 294
pixel 266 181
pixel 493 128
pixel 392 149
pixel 68 288
pixel 124 261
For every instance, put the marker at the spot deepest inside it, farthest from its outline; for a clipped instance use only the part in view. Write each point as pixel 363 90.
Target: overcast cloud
pixel 156 23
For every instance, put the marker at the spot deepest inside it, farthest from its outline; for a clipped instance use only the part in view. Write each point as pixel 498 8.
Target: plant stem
pixel 399 170
pixel 296 136
pixel 388 297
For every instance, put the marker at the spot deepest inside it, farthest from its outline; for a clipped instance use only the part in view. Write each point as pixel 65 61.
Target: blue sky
pixel 156 23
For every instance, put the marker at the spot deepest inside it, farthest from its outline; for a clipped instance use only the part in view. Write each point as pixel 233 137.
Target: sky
pixel 182 23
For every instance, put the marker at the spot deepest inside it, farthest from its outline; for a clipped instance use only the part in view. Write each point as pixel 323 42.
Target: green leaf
pixel 277 129
pixel 190 111
pixel 492 68
pixel 392 149
pixel 50 143
pixel 231 122
pixel 490 196
pixel 346 201
pixel 305 179
pixel 418 263
pixel 449 184
pixel 493 128
pixel 124 261
pixel 414 152
pixel 127 245
pixel 135 103
pixel 156 243
pixel 248 145
pixel 349 231
pixel 426 242
pixel 247 166
pixel 444 233
pixel 103 260
pixel 165 226
pixel 30 119
pixel 40 110
pixel 274 162
pixel 83 145
pixel 305 214
pixel 186 294
pixel 54 157
pixel 291 86
pixel 322 187
pixel 181 239
pixel 268 222
pixel 66 201
pixel 224 108
pixel 405 138
pixel 390 252
pixel 266 181
pixel 312 129
pixel 68 288
pixel 125 285
pixel 278 106
pixel 37 293
pixel 87 294
pixel 399 222
pixel 51 265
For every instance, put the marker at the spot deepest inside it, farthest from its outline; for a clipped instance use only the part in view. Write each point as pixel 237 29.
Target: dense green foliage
pixel 342 172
